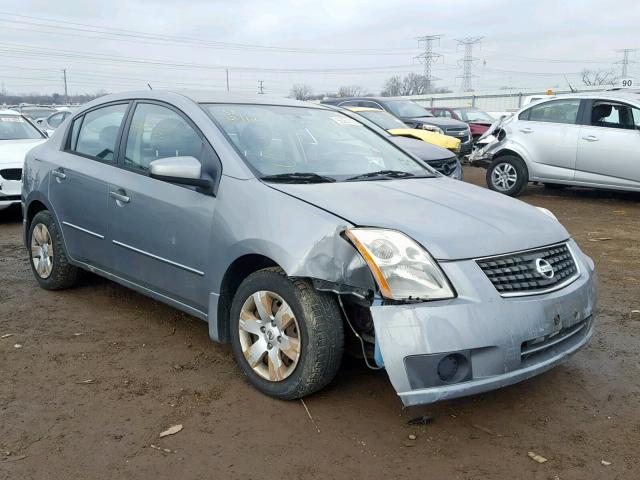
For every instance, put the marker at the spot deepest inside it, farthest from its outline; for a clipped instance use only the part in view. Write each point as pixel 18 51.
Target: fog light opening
pixel 453 368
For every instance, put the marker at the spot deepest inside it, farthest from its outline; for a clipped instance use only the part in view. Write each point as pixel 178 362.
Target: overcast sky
pixel 189 43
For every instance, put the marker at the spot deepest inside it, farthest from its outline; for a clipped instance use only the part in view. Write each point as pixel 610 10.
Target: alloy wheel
pixel 269 336
pixel 504 177
pixel 42 250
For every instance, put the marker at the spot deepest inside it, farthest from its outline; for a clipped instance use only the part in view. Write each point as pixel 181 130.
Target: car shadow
pixel 580 193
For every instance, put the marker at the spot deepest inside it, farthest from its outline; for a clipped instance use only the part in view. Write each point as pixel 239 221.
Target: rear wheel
pixel 49 261
pixel 507 174
pixel 287 338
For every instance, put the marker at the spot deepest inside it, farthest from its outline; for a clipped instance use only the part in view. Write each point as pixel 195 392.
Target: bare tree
pixel 300 91
pixel 350 91
pixel 412 84
pixel 599 77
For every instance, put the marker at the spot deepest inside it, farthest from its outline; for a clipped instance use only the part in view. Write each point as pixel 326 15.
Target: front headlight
pixel 432 128
pixel 403 269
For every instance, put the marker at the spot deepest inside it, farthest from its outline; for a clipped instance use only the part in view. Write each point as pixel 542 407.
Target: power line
pixel 468 60
pixel 428 58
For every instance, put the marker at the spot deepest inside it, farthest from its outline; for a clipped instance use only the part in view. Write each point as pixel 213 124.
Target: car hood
pixel 439 121
pixel 451 219
pixel 12 152
pixel 445 141
pixel 423 150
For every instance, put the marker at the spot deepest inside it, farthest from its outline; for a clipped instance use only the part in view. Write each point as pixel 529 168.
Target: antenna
pixel 149 85
pixel 573 90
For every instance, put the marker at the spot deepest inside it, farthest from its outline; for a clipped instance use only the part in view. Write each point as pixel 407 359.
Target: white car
pixel 17 136
pixel 586 139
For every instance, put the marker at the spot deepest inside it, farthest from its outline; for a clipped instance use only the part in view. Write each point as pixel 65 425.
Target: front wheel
pixel 287 337
pixel 507 174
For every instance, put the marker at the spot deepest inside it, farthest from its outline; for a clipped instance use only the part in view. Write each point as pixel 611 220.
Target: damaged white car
pixel 291 228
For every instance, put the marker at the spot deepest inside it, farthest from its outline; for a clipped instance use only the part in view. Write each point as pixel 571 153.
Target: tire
pixel 555 186
pixel 507 174
pixel 54 273
pixel 317 325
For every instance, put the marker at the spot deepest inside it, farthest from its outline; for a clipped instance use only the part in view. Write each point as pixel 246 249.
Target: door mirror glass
pixel 183 170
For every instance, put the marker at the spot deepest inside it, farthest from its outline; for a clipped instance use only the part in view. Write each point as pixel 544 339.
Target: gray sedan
pixel 289 227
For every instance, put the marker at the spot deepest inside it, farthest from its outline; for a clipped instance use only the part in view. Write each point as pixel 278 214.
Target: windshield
pixel 382 119
pixel 407 109
pixel 475 116
pixel 35 113
pixel 306 144
pixel 15 127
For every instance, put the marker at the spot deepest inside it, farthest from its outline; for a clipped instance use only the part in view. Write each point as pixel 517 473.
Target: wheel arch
pixel 509 152
pixel 220 305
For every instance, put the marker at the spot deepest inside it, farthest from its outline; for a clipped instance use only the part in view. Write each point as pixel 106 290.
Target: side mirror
pixel 182 170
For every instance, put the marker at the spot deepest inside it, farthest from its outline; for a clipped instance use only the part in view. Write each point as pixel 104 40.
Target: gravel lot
pixel 103 370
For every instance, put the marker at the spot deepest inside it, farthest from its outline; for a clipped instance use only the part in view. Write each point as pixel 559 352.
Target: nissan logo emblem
pixel 544 268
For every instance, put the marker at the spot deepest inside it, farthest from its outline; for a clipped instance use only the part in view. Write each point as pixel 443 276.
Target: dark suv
pixel 412 114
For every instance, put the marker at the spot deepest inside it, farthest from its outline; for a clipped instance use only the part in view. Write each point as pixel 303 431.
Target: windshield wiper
pixel 298 177
pixel 382 174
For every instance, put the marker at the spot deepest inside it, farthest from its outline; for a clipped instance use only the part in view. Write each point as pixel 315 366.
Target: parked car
pixel 438 158
pixel 478 121
pixel 285 224
pixel 397 127
pixel 53 121
pixel 34 113
pixel 587 139
pixel 412 115
pixel 17 136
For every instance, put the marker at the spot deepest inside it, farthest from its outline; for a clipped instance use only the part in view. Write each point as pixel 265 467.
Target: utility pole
pixel 626 53
pixel 428 58
pixel 227 79
pixel 66 95
pixel 261 86
pixel 467 61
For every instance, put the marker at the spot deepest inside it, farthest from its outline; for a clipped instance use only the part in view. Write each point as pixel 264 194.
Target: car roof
pixel 9 112
pixel 364 109
pixel 205 96
pixel 601 95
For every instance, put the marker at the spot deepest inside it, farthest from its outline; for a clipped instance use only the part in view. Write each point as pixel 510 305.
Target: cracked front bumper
pixel 497 336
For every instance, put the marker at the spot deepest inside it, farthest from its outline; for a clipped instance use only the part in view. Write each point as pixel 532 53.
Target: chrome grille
pixel 457 132
pixel 446 166
pixel 520 273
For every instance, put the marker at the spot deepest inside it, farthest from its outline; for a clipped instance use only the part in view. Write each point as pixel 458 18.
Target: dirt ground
pixel 103 370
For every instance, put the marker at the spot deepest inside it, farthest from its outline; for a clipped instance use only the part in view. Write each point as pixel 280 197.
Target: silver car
pixel 588 140
pixel 291 227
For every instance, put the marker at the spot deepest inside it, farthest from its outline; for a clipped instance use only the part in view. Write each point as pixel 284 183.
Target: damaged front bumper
pixel 492 341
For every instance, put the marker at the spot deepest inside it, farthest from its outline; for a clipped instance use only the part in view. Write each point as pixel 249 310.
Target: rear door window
pixel 98 135
pixel 557 111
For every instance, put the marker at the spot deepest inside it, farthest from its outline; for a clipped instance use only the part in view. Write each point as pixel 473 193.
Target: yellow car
pixel 395 126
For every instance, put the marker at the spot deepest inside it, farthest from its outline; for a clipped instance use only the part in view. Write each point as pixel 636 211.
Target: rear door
pixel 78 184
pixel 609 145
pixel 162 231
pixel 548 133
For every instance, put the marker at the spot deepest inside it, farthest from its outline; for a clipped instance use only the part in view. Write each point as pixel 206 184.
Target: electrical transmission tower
pixel 261 86
pixel 626 53
pixel 467 61
pixel 428 58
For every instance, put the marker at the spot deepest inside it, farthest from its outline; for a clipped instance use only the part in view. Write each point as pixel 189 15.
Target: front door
pixel 162 231
pixel 609 146
pixel 79 184
pixel 548 133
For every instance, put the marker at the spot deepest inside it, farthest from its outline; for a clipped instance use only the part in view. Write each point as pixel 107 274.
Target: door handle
pixel 590 138
pixel 526 130
pixel 120 197
pixel 59 174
